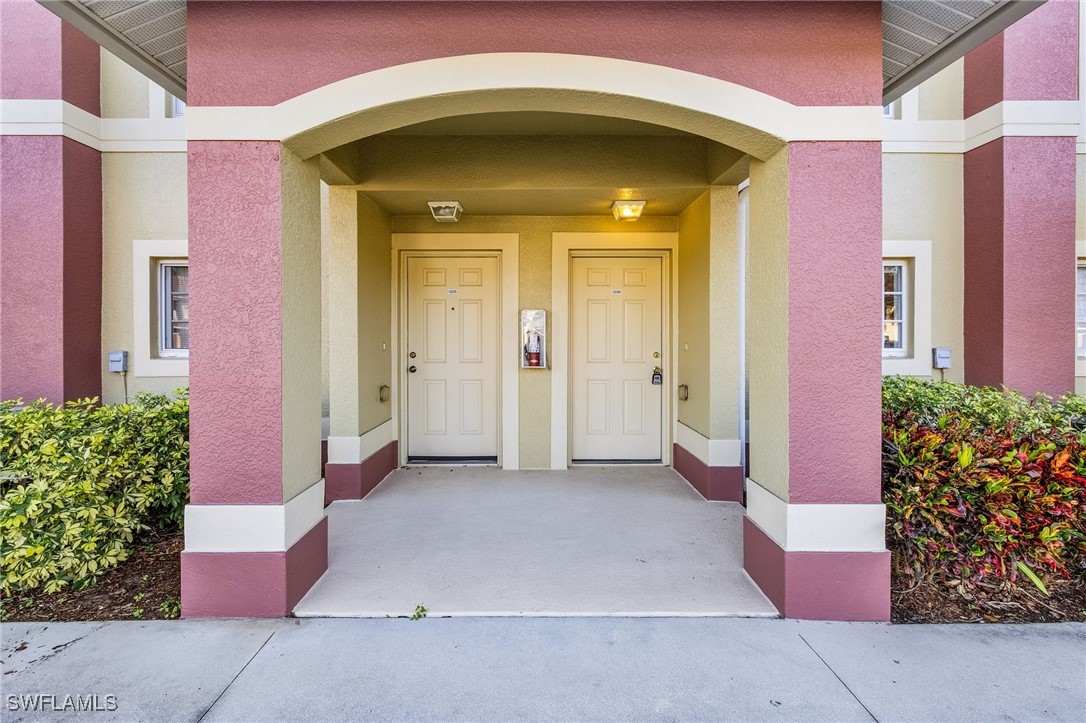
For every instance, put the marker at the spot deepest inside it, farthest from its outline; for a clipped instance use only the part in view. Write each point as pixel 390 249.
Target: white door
pixel 616 316
pixel 452 358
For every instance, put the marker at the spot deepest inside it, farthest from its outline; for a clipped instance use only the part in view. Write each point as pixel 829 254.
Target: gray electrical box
pixel 940 357
pixel 118 361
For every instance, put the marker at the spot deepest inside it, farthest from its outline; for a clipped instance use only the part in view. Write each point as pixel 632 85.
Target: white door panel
pixel 452 329
pixel 616 318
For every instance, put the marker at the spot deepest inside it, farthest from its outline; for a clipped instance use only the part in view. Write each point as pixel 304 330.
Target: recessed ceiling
pixel 920 37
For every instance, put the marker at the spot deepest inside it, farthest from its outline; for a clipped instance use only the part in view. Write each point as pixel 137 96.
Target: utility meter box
pixel 118 361
pixel 940 357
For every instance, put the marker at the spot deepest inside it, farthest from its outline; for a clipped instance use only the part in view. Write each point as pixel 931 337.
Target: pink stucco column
pixel 1020 205
pixel 255 534
pixel 813 535
pixel 50 215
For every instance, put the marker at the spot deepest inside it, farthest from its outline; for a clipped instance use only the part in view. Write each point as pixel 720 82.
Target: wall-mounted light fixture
pixel 446 211
pixel 627 210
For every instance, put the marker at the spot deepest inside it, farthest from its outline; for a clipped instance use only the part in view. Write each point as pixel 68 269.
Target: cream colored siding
pixel 922 200
pixel 145 196
pixel 941 97
pixel 124 90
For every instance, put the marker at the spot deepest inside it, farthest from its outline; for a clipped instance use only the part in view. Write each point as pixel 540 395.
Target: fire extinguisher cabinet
pixel 533 339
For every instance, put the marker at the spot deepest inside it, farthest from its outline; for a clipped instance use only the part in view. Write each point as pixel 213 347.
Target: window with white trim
pixel 1080 311
pixel 895 305
pixel 173 309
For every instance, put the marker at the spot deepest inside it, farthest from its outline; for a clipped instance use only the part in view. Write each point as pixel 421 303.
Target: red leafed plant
pixel 969 501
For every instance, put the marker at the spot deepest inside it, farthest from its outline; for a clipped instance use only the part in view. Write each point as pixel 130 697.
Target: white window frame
pixel 918 294
pixel 906 305
pixel 145 360
pixel 165 323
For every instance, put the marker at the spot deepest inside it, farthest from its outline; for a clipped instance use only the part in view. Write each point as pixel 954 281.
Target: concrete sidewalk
pixel 546 669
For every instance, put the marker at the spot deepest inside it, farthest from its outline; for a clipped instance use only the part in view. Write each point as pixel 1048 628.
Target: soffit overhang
pixel 919 37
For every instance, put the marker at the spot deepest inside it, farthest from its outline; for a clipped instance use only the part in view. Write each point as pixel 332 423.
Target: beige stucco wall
pixel 359 282
pixel 692 296
pixel 922 201
pixel 535 293
pixel 941 96
pixel 124 90
pixel 300 229
pixel 144 196
pixel 375 313
pixel 1080 231
pixel 767 323
pixel 708 299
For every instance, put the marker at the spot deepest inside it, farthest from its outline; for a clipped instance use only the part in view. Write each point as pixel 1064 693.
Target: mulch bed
pixel 147 586
pixel 934 602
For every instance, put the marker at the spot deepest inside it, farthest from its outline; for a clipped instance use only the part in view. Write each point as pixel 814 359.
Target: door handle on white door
pixel 412 369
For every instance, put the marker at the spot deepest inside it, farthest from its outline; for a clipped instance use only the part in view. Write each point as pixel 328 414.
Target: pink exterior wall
pixel 45 58
pixel 712 483
pixel 51 273
pixel 1034 59
pixel 235 368
pixel 1020 213
pixel 31 271
pixel 809 53
pixel 51 216
pixel 1020 261
pixel 983 311
pixel 834 296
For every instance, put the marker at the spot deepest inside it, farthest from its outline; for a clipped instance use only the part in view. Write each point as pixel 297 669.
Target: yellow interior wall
pixel 124 90
pixel 692 297
pixel 535 293
pixel 144 196
pixel 923 200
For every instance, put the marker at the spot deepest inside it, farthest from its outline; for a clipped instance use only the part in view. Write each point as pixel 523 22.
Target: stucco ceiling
pixel 920 37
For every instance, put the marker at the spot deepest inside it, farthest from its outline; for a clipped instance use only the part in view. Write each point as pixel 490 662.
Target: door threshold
pixel 624 462
pixel 445 461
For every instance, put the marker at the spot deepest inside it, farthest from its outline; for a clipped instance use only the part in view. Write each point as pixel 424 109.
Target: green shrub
pixel 80 480
pixel 982 484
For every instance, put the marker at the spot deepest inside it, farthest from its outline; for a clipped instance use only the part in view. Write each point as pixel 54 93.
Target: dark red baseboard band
pixel 852 586
pixel 252 584
pixel 355 481
pixel 712 483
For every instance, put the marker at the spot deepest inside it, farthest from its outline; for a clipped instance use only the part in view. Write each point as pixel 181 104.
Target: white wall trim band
pixel 1009 118
pixel 355 450
pixel 253 528
pixel 818 527
pixel 610 77
pixel 24 117
pixel 711 452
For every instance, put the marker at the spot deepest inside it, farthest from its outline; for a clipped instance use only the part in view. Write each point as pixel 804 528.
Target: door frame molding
pixel 506 248
pixel 564 246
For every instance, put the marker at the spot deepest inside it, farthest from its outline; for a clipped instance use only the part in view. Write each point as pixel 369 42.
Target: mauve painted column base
pixel 252 584
pixel 852 586
pixel 713 483
pixel 355 481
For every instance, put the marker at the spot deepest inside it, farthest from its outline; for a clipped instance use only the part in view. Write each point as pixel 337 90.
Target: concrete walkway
pixel 595 541
pixel 546 669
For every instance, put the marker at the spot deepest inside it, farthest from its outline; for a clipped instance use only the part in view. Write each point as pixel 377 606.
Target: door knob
pixel 412 369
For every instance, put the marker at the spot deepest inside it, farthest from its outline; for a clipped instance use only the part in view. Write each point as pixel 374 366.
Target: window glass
pixel 1080 311
pixel 175 308
pixel 893 309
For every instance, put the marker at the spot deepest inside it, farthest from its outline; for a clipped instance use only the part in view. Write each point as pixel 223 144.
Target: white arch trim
pixel 734 114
